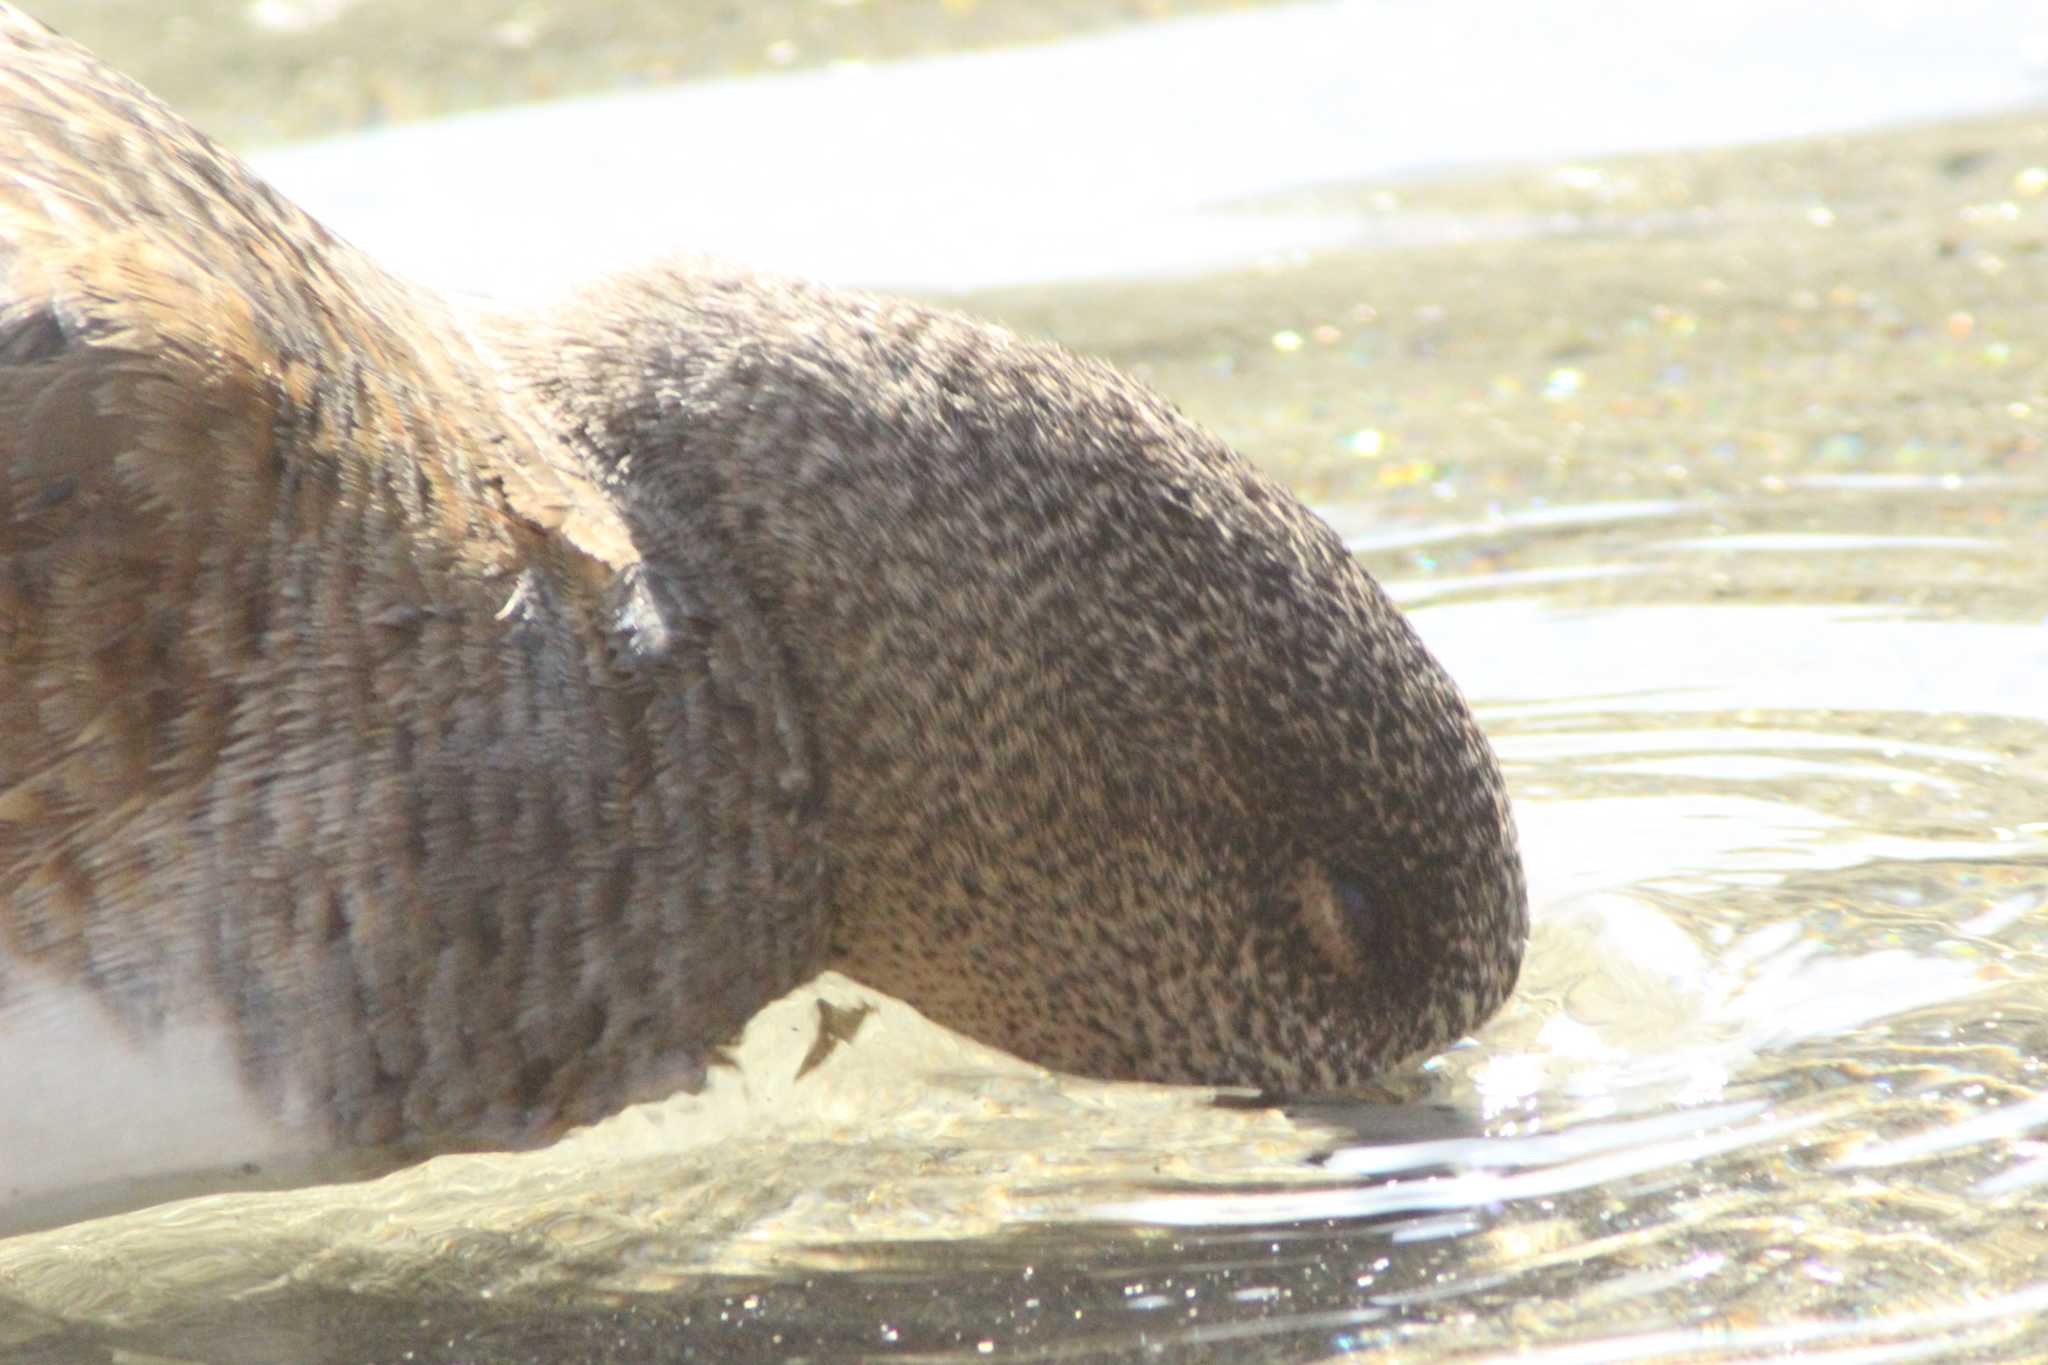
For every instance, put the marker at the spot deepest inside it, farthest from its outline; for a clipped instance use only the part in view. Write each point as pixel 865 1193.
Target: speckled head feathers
pixel 478 717
pixel 1127 765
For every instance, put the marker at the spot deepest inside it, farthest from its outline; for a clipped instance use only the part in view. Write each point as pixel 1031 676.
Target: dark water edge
pixel 1234 1298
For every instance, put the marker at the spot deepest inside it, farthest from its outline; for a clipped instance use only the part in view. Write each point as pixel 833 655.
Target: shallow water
pixel 1722 491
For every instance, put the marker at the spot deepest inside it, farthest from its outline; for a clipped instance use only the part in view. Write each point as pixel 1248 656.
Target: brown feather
pixel 482 716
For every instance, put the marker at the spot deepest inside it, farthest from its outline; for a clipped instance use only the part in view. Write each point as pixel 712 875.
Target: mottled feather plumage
pixel 486 714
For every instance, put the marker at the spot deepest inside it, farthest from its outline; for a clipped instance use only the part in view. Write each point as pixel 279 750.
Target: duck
pixel 429 727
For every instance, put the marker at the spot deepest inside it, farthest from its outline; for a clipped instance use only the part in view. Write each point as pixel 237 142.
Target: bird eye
pixel 1351 902
pixel 1336 911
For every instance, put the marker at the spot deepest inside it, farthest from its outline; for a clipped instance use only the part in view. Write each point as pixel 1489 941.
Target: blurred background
pixel 258 72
